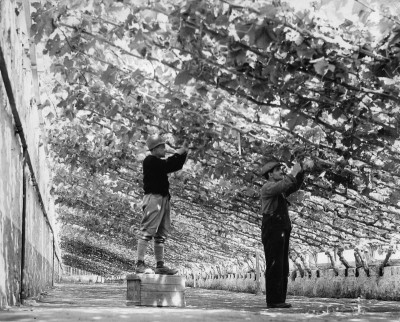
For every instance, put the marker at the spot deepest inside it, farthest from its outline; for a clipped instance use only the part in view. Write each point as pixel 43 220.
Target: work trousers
pixel 276 249
pixel 156 220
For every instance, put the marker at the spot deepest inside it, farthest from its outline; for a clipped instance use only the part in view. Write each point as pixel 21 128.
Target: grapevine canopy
pixel 243 81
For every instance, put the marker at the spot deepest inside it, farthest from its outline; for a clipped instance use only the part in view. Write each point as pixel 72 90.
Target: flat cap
pixel 154 141
pixel 269 166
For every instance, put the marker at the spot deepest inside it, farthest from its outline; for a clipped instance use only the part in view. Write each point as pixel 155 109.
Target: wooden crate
pixel 155 290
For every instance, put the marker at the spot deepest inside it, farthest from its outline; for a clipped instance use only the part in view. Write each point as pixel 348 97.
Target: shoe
pixel 279 305
pixel 164 270
pixel 141 268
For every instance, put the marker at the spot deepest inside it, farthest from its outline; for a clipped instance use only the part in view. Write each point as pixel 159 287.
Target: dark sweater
pixel 155 170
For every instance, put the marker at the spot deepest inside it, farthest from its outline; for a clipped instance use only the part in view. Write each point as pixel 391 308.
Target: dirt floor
pixel 107 302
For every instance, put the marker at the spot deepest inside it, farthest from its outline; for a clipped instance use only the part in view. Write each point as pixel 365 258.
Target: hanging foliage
pixel 243 81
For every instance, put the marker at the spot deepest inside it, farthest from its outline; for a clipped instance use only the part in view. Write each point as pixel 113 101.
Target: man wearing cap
pixel 156 221
pixel 276 227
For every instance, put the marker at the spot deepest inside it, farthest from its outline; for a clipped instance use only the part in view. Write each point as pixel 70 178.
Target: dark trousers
pixel 276 249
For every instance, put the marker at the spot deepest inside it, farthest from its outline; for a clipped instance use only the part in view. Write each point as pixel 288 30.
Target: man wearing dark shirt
pixel 276 227
pixel 156 221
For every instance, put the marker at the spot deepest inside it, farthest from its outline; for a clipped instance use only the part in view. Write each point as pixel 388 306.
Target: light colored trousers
pixel 156 220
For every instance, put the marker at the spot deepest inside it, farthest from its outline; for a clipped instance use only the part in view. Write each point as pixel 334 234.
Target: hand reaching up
pixel 184 148
pixel 308 164
pixel 296 169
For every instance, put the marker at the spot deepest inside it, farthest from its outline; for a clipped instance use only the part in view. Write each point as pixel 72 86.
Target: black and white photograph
pixel 199 160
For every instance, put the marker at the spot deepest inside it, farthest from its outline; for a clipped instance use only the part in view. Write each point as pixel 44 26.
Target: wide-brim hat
pixel 154 141
pixel 269 166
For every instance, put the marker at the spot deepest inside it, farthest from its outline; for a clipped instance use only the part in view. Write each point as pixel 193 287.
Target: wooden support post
pixel 239 144
pixel 258 273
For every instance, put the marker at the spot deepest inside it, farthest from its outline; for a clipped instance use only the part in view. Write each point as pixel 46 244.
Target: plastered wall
pixel 29 255
pixel 11 166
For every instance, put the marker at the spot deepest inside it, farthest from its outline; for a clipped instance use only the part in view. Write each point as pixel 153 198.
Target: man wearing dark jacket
pixel 156 221
pixel 276 227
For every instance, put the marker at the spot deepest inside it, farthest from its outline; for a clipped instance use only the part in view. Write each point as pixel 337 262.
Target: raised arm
pixel 297 185
pixel 176 161
pixel 276 188
pixel 298 173
pixel 287 185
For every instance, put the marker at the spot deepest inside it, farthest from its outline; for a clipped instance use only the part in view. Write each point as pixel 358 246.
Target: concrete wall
pixel 11 168
pixel 29 253
pixel 322 283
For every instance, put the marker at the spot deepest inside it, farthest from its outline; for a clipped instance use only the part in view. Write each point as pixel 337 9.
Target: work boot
pixel 164 270
pixel 141 268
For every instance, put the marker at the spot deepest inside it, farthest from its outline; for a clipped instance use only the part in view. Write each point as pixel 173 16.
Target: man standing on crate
pixel 156 221
pixel 276 227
